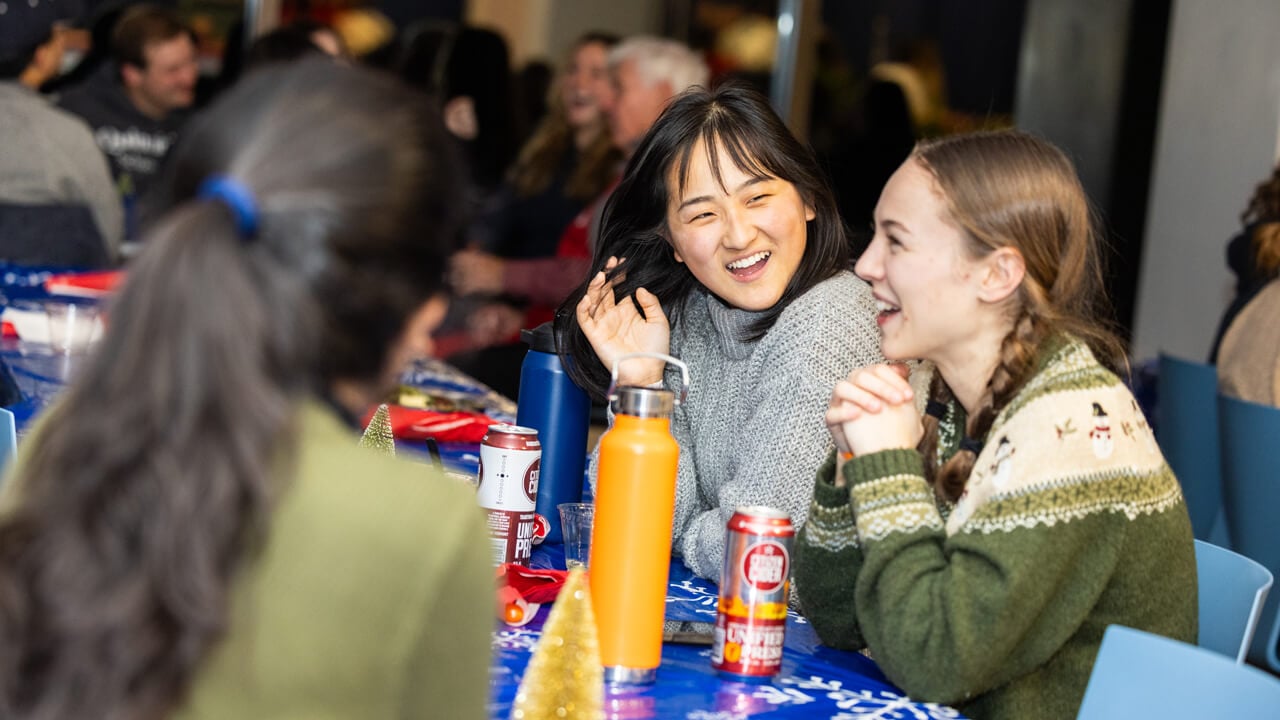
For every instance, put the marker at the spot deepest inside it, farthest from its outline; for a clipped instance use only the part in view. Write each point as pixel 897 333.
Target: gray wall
pixel 1070 76
pixel 1218 137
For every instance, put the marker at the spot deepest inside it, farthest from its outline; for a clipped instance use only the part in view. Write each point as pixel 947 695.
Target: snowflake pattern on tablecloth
pixel 704 599
pixel 518 639
pixel 782 696
pixel 690 592
pixel 855 704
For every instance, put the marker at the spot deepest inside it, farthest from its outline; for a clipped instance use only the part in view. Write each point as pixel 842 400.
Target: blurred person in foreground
pixel 192 530
pixel 51 170
pixel 979 549
pixel 1248 349
pixel 137 105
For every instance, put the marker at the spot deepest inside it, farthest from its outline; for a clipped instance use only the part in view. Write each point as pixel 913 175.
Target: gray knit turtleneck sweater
pixel 752 430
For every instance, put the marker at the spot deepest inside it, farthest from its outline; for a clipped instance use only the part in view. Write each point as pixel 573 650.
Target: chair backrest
pixel 1186 429
pixel 8 439
pixel 1233 589
pixel 1250 436
pixel 1140 675
pixel 64 235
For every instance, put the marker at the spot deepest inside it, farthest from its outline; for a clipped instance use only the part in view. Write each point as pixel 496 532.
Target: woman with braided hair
pixel 980 549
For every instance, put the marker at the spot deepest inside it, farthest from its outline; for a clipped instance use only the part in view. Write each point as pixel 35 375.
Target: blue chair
pixel 8 438
pixel 1140 675
pixel 1233 589
pixel 1250 435
pixel 1186 429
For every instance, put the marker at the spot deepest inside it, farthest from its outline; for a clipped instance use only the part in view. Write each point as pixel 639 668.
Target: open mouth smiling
pixel 750 264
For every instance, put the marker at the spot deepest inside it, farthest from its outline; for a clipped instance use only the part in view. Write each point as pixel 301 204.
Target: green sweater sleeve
pixel 827 563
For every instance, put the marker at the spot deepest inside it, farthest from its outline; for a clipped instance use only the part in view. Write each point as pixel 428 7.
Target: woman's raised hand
pixel 617 328
pixel 872 410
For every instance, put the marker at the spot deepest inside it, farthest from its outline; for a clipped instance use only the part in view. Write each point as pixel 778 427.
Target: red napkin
pixel 522 590
pixel 535 585
pixel 413 424
pixel 84 284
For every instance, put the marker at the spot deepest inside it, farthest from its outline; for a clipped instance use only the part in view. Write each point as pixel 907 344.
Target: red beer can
pixel 510 457
pixel 754 582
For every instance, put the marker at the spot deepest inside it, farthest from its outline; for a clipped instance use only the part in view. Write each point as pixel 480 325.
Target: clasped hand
pixel 873 410
pixel 617 328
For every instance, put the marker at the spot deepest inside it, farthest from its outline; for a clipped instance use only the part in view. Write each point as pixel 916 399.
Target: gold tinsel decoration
pixel 378 435
pixel 564 678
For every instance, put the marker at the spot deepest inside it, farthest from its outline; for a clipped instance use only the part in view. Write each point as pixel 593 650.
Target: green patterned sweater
pixel 1071 521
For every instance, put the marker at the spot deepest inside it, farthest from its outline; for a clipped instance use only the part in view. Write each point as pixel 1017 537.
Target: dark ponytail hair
pixel 634 224
pixel 1012 189
pixel 152 480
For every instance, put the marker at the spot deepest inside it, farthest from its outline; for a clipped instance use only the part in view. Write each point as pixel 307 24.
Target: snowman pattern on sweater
pixel 1036 468
pixel 1103 445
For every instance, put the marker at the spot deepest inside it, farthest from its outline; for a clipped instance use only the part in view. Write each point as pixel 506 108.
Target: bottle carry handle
pixel 612 394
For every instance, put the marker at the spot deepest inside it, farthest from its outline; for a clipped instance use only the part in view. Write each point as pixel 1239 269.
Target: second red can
pixel 510 460
pixel 755 581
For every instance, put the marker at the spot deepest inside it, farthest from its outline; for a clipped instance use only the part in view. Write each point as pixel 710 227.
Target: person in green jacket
pixel 979 549
pixel 193 531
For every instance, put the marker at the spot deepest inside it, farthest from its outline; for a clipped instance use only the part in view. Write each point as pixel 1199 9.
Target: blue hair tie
pixel 237 197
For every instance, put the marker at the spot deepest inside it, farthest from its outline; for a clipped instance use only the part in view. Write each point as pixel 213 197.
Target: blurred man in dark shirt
pixel 137 104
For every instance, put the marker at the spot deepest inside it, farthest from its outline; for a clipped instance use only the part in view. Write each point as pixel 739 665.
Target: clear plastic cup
pixel 575 522
pixel 72 326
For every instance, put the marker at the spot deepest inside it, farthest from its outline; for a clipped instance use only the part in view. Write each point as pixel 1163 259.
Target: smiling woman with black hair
pixel 722 245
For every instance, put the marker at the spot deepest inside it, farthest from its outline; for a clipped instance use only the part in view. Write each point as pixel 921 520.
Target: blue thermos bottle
pixel 560 411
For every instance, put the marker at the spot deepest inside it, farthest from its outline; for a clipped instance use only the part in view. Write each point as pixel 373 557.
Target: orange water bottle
pixel 631 535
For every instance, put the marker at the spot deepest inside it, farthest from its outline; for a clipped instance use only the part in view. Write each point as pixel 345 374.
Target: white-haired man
pixel 647 72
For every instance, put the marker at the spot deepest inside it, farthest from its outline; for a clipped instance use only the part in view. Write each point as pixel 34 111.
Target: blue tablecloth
pixel 815 681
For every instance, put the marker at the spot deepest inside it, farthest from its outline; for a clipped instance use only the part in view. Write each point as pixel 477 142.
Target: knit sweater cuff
pixel 866 468
pixel 825 492
pixel 889 495
pixel 830 525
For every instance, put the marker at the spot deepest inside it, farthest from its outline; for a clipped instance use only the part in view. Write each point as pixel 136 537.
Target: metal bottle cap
pixel 644 402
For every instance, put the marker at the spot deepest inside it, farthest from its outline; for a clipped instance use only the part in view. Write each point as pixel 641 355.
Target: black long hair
pixel 451 61
pixel 634 223
pixel 152 480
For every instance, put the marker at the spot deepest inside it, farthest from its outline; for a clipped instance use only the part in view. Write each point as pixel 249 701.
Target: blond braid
pixel 1018 353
